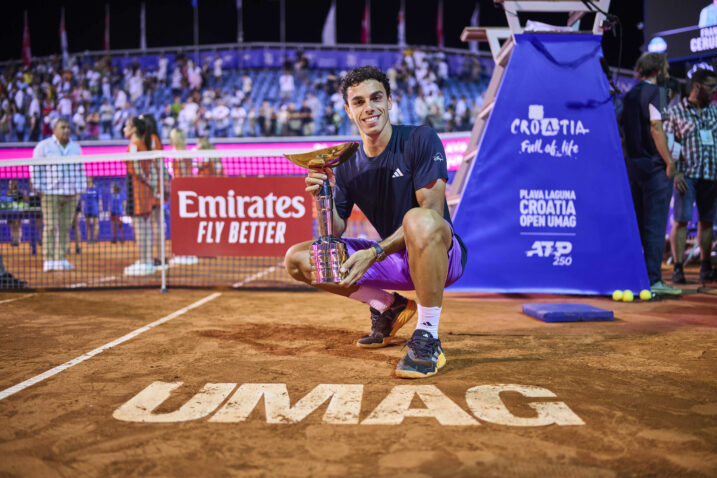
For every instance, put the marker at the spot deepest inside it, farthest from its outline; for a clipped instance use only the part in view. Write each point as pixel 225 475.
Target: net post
pixel 162 233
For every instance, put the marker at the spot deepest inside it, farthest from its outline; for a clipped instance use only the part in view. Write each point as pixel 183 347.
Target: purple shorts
pixel 393 272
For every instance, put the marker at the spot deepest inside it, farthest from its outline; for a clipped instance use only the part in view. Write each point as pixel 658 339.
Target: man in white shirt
pixel 64 105
pixel 218 70
pixel 708 15
pixel 286 85
pixel 246 84
pixel 120 99
pixel 194 76
pixel 162 70
pixel 136 86
pixel 220 114
pixel 60 186
pixel 239 115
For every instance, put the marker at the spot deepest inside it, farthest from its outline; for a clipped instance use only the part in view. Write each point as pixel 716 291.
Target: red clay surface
pixel 645 387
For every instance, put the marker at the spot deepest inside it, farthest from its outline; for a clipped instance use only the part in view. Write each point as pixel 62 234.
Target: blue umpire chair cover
pixel 547 204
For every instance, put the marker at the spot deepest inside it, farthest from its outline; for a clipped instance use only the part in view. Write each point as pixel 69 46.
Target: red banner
pixel 239 216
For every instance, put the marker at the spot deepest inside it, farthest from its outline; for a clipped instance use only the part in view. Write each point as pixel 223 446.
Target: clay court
pixel 638 395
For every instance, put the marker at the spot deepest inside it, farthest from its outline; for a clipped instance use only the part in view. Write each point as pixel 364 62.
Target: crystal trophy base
pixel 327 255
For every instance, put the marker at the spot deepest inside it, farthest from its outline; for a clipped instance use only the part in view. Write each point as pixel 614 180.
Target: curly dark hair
pixel 649 64
pixel 701 75
pixel 361 74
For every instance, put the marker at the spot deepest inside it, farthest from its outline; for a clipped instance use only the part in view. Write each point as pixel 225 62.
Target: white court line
pixel 98 281
pixel 39 378
pixel 16 298
pixel 256 276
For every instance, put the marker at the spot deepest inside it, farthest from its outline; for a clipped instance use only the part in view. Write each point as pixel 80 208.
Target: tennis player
pixel 398 180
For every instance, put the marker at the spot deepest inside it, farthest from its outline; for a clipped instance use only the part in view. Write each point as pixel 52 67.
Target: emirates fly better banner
pixel 239 216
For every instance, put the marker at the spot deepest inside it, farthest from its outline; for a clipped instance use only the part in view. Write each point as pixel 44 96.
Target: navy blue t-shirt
pixel 636 119
pixel 384 187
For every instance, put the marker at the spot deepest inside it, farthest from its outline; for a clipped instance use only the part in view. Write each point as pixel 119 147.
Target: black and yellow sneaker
pixel 384 326
pixel 424 357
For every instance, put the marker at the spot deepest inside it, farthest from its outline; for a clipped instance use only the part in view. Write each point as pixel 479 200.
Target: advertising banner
pixel 275 57
pixel 547 205
pixel 239 216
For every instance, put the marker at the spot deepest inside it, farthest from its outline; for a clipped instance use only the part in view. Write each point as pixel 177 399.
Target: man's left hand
pixel 357 265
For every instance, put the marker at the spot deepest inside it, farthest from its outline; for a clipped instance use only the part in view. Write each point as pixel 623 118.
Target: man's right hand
pixel 680 183
pixel 315 179
pixel 670 169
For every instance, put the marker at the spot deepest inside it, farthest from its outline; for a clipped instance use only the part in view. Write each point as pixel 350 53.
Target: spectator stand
pixel 99 91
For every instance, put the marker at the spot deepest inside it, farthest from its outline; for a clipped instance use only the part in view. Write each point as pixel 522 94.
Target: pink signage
pixel 246 166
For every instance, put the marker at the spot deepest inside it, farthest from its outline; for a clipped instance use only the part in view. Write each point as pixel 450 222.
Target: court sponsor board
pixel 239 216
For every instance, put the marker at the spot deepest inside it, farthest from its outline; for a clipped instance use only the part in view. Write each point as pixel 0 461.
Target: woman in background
pixel 143 200
pixel 158 211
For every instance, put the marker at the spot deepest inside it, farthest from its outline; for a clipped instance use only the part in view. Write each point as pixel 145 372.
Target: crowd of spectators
pixel 96 97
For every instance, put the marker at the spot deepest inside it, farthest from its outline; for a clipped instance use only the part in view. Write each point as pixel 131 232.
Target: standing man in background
pixel 650 166
pixel 694 123
pixel 60 186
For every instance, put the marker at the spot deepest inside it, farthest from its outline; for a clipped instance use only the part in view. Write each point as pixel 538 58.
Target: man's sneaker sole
pixel 402 319
pixel 376 345
pixel 414 374
pixel 666 292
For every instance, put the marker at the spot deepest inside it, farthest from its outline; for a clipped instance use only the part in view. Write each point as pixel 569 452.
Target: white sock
pixel 379 299
pixel 428 318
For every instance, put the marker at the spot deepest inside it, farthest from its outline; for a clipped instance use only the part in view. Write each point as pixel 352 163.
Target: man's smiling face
pixel 368 106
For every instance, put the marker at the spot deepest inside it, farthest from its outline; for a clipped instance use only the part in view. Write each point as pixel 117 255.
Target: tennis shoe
pixel 424 357
pixel 707 275
pixel 139 269
pixel 7 281
pixel 385 325
pixel 678 276
pixel 660 288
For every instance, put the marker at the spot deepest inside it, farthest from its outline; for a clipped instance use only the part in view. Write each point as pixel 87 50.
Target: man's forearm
pixel 658 135
pixel 394 243
pixel 339 224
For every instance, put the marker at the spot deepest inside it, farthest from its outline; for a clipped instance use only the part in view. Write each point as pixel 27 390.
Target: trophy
pixel 328 252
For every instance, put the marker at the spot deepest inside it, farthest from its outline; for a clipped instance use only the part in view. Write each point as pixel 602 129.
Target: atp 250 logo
pixel 558 250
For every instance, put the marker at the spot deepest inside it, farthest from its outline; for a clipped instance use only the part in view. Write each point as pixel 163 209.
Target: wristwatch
pixel 380 253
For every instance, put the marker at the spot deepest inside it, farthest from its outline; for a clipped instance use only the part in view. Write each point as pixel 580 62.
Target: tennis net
pixel 201 218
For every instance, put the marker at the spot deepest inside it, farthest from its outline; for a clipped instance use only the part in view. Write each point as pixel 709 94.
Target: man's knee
pixel 421 226
pixel 296 261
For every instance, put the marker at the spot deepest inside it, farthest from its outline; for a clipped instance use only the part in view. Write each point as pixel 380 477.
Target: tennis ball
pixel 645 294
pixel 617 295
pixel 627 296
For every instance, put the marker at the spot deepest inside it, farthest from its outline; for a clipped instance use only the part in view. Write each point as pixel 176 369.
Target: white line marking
pixel 98 281
pixel 16 298
pixel 256 276
pixel 547 233
pixel 39 378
